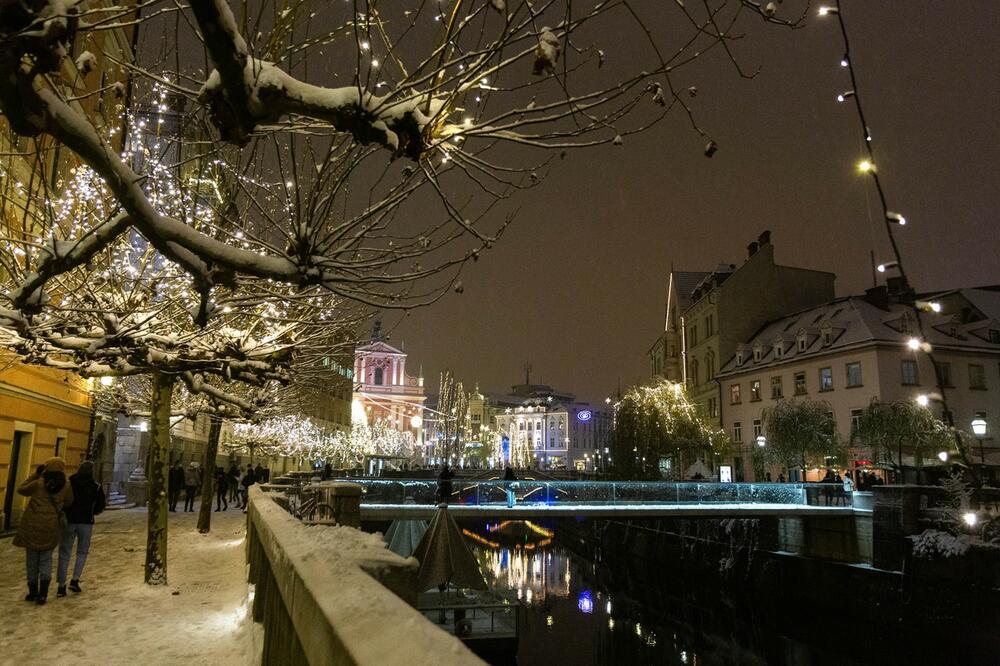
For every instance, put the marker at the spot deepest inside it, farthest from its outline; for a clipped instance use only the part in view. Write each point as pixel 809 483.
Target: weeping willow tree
pixel 657 423
pixel 903 427
pixel 800 433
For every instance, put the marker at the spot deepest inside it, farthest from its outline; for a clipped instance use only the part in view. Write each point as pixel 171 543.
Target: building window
pixel 757 429
pixel 709 366
pixel 552 442
pixel 826 379
pixel 947 417
pixel 755 390
pixel 977 377
pixel 800 383
pixel 694 372
pixel 776 391
pixel 694 334
pixel 853 374
pixel 908 368
pixel 856 421
pixel 379 376
pixel 994 336
pixel 779 350
pixel 737 432
pixel 802 343
pixel 709 326
pixel 943 374
pixel 757 354
pixel 713 407
pixel 734 394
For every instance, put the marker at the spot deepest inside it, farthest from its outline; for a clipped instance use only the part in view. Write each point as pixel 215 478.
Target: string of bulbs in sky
pixel 893 221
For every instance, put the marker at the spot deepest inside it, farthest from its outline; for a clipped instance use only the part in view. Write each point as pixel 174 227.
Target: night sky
pixel 576 286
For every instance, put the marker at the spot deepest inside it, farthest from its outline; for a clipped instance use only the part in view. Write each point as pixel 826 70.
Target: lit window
pixel 734 394
pixel 755 389
pixel 826 379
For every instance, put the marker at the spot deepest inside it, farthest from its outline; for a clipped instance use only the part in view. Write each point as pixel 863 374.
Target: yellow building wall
pixel 46 405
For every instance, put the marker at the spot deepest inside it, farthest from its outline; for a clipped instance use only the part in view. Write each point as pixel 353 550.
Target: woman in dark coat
pixel 88 501
pixel 41 524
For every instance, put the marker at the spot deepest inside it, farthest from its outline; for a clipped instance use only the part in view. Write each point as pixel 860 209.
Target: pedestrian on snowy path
pixel 221 488
pixel 233 481
pixel 192 477
pixel 88 501
pixel 42 524
pixel 175 483
pixel 248 480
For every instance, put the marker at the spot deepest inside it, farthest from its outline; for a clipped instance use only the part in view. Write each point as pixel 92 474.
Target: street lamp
pixel 761 441
pixel 979 430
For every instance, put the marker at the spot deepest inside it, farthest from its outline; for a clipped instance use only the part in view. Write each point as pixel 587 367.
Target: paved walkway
pixel 200 617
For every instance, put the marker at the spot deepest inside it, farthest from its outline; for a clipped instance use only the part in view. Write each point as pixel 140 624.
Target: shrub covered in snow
pixel 932 544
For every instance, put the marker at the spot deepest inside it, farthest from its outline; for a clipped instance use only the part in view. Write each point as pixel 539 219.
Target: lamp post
pixel 979 430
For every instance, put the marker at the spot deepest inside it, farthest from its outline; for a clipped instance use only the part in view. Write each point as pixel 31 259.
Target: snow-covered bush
pixel 932 544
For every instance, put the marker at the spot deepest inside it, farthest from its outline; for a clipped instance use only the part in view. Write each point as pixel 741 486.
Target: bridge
pixel 392 499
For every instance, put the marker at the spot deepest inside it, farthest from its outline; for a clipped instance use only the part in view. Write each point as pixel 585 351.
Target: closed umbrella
pixel 444 557
pixel 404 535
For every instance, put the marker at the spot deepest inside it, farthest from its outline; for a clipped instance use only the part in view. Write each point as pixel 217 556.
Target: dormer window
pixel 779 350
pixel 757 354
pixel 739 357
pixel 801 342
pixel 826 333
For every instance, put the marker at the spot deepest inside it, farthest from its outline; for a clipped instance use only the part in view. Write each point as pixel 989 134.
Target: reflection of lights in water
pixel 549 621
pixel 638 629
pixel 532 571
pixel 527 595
pixel 608 607
pixel 651 639
pixel 611 623
pixel 585 603
pixel 684 656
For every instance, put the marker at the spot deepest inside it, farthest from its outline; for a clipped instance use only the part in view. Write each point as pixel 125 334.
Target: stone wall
pixel 335 595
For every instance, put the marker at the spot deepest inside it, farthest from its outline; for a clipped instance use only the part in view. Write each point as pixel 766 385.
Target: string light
pixel 913 343
pixel 923 400
pixel 824 10
pixel 866 166
pixel 846 94
pixel 895 218
pixel 882 268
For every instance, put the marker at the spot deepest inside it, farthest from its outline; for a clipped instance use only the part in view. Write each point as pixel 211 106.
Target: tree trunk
pixel 208 465
pixel 156 478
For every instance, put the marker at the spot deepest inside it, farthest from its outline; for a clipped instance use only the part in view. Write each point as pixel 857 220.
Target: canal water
pixel 579 611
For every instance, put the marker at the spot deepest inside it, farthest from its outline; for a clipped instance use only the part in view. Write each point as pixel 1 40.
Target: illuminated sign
pixel 584 415
pixel 725 474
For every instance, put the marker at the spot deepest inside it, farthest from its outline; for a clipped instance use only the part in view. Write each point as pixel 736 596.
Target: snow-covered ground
pixel 200 617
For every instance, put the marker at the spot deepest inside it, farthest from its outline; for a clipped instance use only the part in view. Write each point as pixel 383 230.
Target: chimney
pixel 752 249
pixel 899 290
pixel 878 296
pixel 764 238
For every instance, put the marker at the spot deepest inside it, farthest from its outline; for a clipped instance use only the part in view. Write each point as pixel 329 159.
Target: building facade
pixel 730 303
pixel 852 350
pixel 665 354
pixel 548 434
pixel 384 390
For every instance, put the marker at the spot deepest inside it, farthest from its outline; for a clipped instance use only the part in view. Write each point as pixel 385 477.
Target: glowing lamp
pixel 825 10
pixel 913 344
pixel 882 268
pixel 979 427
pixel 761 440
pixel 107 381
pixel 943 456
pixel 866 166
pixel 416 421
pixel 895 218
pixel 970 518
pixel 845 95
pixel 923 400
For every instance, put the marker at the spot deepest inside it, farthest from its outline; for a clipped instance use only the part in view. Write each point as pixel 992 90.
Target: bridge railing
pixel 468 492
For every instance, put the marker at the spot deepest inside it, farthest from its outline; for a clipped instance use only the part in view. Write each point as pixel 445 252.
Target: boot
pixel 61 591
pixel 43 592
pixel 32 590
pixel 75 586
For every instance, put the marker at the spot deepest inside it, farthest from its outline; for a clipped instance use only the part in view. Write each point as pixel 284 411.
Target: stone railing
pixel 336 595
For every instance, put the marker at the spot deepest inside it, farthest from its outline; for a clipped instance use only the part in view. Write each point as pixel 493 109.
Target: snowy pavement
pixel 200 617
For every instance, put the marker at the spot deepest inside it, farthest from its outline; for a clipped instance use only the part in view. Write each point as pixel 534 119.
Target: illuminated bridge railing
pixel 470 492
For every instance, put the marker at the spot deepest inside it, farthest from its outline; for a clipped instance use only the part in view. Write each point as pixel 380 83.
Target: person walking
pixel 258 474
pixel 88 501
pixel 175 483
pixel 246 482
pixel 221 489
pixel 511 479
pixel 444 483
pixel 848 488
pixel 42 523
pixel 233 482
pixel 192 477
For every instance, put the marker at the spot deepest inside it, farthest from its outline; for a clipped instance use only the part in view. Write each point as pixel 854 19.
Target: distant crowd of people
pixel 230 486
